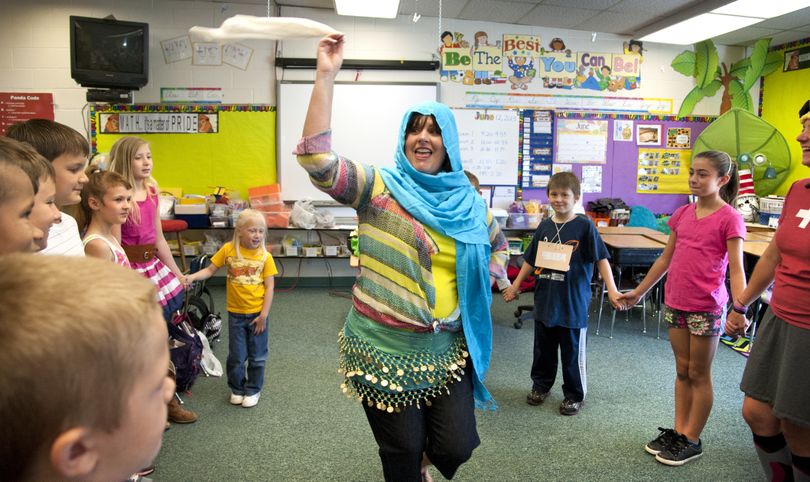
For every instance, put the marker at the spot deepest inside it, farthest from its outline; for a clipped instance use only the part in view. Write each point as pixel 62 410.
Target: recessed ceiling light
pixel 367 8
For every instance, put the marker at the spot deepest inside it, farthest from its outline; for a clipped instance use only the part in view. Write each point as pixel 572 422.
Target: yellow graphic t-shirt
pixel 245 293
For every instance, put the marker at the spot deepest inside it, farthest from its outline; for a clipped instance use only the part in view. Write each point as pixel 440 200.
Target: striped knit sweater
pixel 393 352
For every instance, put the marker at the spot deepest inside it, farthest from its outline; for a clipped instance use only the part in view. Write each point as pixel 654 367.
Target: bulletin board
pixel 366 120
pixel 488 141
pixel 620 172
pixel 240 155
pixel 536 147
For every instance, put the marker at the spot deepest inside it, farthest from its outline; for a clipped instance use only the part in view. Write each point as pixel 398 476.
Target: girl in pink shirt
pixel 706 238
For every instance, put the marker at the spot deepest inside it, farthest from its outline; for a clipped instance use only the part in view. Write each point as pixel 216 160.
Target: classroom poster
pixel 622 130
pixel 679 137
pixel 591 179
pixel 663 171
pixel 582 141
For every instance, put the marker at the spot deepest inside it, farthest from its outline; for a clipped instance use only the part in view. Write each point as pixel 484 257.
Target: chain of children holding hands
pixel 417 341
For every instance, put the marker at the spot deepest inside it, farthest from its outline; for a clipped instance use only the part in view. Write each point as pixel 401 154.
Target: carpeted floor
pixel 304 429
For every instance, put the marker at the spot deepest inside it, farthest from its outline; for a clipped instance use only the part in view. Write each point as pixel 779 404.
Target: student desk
pixel 623 230
pixel 660 237
pixel 632 250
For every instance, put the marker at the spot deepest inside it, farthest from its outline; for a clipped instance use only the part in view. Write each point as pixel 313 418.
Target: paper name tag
pixel 553 256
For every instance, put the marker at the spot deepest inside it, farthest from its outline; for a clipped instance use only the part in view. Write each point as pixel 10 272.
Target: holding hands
pixel 510 294
pixel 736 324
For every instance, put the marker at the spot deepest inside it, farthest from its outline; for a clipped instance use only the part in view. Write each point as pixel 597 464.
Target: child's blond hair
pixel 121 155
pixel 69 350
pixel 244 218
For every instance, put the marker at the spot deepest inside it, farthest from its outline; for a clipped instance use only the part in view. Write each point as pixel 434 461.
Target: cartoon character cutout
pixel 523 71
pixel 634 47
pixel 204 125
pixel 448 42
pixel 481 39
pixel 558 46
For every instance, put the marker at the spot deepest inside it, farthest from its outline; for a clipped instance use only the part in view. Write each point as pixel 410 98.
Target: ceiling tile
pixel 660 7
pixel 745 36
pixel 615 22
pixel 787 36
pixel 789 21
pixel 500 11
pixel 430 8
pixel 560 17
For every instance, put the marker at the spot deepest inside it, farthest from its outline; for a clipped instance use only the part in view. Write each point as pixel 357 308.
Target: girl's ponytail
pixel 729 192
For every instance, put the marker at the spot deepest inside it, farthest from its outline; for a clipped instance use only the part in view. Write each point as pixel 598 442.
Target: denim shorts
pixel 699 323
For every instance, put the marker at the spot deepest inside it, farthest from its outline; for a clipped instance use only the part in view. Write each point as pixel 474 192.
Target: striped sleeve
pixel 499 257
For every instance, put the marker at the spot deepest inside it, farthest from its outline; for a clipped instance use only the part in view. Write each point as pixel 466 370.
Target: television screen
pixel 109 53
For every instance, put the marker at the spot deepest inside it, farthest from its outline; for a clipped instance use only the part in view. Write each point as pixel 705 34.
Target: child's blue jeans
pixel 243 346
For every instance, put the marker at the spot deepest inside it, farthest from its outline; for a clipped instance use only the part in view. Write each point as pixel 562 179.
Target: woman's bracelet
pixel 739 308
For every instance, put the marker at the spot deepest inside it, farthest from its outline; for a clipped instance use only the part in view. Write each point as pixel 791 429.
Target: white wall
pixel 35 57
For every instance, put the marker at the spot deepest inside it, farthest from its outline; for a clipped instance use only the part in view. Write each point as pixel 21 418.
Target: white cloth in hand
pixel 242 27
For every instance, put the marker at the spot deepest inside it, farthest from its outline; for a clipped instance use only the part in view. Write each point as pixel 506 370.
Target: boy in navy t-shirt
pixel 564 250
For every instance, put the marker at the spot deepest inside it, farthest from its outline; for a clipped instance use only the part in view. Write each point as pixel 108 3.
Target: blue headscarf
pixel 447 203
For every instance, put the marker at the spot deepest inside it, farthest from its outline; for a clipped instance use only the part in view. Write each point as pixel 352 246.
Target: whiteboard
pixel 488 140
pixel 365 126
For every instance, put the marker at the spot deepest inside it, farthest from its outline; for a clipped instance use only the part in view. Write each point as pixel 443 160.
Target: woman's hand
pixel 330 54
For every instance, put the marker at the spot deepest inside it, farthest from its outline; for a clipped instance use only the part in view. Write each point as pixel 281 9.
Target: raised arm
pixel 330 58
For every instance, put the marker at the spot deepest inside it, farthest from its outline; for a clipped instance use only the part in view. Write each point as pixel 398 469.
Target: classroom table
pixel 624 230
pixel 755 248
pixel 755 227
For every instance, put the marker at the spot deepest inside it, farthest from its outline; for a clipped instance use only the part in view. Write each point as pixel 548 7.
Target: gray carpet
pixel 304 429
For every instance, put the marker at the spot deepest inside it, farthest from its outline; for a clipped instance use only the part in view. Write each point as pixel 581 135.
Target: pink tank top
pixel 143 232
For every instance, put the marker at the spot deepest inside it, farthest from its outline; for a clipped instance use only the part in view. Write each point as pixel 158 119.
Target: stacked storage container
pixel 267 199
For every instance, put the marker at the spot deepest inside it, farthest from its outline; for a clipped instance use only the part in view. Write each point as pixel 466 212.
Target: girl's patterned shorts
pixel 699 323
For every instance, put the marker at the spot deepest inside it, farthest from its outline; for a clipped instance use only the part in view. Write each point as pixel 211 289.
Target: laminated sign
pixel 553 256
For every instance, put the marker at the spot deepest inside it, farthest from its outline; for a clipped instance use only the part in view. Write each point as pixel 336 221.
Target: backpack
pixel 201 309
pixel 186 350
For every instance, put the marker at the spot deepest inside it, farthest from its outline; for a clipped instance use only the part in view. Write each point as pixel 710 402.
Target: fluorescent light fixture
pixel 760 8
pixel 367 8
pixel 726 18
pixel 699 28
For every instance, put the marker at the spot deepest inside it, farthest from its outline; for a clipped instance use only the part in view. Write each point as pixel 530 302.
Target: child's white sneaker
pixel 251 400
pixel 236 399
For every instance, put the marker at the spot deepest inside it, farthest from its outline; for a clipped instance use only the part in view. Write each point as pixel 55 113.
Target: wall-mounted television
pixel 105 52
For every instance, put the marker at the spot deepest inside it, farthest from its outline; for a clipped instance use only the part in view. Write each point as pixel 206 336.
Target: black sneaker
pixel 570 407
pixel 536 398
pixel 661 442
pixel 680 452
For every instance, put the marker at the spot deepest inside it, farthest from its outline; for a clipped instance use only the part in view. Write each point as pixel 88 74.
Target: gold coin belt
pixel 393 382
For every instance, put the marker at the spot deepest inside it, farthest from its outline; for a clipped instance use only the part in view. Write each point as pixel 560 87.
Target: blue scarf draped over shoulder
pixel 447 203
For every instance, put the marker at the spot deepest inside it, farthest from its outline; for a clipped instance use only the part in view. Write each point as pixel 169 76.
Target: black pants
pixel 445 431
pixel 571 345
